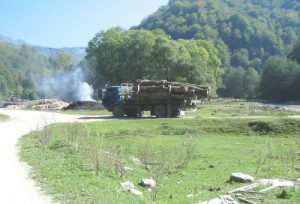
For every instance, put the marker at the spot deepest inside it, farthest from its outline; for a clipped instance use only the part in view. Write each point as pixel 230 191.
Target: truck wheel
pixel 152 111
pixel 160 111
pixel 118 112
pixel 141 114
pixel 175 112
pixel 131 114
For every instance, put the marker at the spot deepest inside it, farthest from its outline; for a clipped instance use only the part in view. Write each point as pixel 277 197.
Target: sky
pixel 69 23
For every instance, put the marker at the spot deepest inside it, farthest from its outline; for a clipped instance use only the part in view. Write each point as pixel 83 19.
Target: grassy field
pixel 84 163
pixel 235 108
pixel 3 117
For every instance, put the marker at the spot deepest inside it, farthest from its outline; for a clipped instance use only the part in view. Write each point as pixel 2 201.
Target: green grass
pixel 80 163
pixel 232 108
pixel 3 117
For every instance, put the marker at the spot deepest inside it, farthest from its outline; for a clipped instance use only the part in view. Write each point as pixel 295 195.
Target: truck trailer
pixel 162 98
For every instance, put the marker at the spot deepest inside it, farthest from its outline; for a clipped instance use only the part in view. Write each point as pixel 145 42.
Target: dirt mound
pixel 85 105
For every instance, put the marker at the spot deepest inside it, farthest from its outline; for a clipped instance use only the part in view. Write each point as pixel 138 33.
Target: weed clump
pixel 284 194
pixel 261 127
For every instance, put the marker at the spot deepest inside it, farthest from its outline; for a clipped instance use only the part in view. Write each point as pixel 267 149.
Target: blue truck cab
pixel 114 96
pixel 111 97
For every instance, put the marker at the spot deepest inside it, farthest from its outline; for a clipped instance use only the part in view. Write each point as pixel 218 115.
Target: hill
pixel 253 30
pixel 22 66
pixel 75 51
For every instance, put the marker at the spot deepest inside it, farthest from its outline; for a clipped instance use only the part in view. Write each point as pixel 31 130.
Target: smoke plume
pixel 67 86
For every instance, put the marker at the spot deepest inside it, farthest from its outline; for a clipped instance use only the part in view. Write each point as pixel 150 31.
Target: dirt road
pixel 15 186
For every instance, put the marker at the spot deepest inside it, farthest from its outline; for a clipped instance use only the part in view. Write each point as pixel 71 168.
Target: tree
pixel 280 79
pixel 118 56
pixel 251 83
pixel 295 54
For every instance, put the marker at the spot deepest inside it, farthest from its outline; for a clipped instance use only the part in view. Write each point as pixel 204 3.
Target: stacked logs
pixel 154 90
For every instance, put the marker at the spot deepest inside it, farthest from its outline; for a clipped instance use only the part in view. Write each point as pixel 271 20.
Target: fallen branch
pixel 246 200
pixel 245 188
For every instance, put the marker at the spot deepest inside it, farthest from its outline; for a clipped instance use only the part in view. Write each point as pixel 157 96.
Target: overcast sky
pixel 69 23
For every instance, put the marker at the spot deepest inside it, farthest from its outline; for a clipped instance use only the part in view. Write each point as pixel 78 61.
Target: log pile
pixel 43 104
pixel 175 91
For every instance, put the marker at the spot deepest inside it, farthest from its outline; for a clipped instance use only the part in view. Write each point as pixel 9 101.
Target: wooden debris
pixel 256 198
pixel 275 183
pixel 242 193
pixel 245 188
pixel 222 199
pixel 246 200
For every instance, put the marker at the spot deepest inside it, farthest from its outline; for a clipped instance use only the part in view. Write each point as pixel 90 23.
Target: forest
pixel 23 66
pixel 253 31
pixel 241 48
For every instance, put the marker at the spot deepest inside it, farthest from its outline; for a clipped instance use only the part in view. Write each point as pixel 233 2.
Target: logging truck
pixel 161 98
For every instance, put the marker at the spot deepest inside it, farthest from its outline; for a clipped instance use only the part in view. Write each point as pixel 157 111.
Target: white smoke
pixel 85 92
pixel 68 86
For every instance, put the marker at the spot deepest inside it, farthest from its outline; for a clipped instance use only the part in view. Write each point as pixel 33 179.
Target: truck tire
pixel 118 112
pixel 132 114
pixel 175 112
pixel 141 114
pixel 160 111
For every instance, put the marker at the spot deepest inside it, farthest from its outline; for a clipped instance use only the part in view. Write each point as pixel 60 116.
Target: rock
pixel 126 169
pixel 148 183
pixel 297 168
pixel 127 185
pixel 135 160
pixel 136 192
pixel 190 195
pixel 179 182
pixel 241 178
pixel 212 166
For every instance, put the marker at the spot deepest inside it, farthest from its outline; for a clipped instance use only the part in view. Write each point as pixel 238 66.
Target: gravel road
pixel 15 186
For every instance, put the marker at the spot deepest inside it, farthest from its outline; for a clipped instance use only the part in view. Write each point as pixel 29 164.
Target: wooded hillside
pixel 23 66
pixel 262 27
pixel 252 30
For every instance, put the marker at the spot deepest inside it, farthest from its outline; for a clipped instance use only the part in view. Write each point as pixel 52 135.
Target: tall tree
pixel 118 56
pixel 295 54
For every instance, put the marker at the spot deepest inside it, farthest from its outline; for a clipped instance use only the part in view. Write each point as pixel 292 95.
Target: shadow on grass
pixel 115 118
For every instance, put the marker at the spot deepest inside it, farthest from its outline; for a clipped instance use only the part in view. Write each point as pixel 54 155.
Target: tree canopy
pixel 295 54
pixel 118 56
pixel 281 79
pixel 262 27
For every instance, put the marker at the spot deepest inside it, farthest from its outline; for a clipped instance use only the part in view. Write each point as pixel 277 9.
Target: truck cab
pixel 111 97
pixel 114 97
